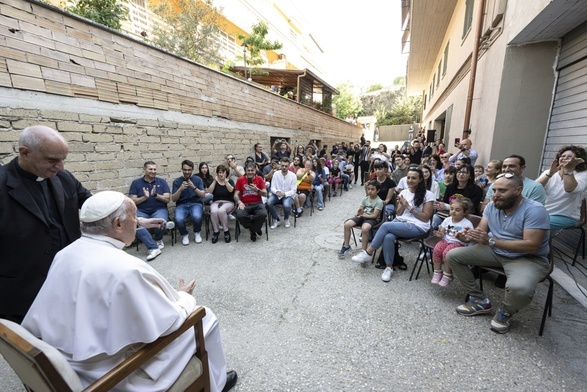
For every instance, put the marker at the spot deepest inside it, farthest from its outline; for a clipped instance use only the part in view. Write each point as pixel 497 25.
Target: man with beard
pixel 513 235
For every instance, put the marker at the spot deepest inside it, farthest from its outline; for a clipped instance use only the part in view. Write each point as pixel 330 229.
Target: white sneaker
pixel 287 224
pixel 220 227
pixel 350 186
pixel 153 253
pixel 362 257
pixel 160 244
pixel 198 238
pixel 275 224
pixel 231 217
pixel 386 275
pixel 185 239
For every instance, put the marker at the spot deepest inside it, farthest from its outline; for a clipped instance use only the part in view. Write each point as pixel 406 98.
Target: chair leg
pixel 547 305
pixel 237 230
pixel 267 228
pixel 580 244
pixel 354 237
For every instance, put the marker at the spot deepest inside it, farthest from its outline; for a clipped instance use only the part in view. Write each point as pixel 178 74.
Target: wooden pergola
pixel 305 82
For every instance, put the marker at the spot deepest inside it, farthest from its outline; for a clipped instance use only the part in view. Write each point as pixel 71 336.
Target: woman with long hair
pixel 222 190
pixel 431 185
pixel 464 185
pixel 564 182
pixel 436 165
pixel 204 174
pixel 413 211
pixel 318 184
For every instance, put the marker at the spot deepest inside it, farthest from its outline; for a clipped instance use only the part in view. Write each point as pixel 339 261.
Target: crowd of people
pixel 410 192
pixel 433 192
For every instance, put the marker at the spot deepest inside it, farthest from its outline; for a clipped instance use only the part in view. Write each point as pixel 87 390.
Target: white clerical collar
pixel 39 179
pixel 112 241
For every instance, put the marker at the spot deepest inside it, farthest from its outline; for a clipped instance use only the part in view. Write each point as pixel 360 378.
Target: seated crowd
pixel 247 194
pixel 433 193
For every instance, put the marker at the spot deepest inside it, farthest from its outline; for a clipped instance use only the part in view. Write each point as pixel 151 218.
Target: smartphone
pixel 249 180
pixel 457 141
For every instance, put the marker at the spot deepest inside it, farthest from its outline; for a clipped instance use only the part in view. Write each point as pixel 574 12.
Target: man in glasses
pixel 513 234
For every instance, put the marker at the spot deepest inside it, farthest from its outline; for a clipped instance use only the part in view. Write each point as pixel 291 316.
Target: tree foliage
pixel 347 104
pixel 189 30
pixel 406 110
pixel 110 13
pixel 377 99
pixel 374 87
pixel 257 42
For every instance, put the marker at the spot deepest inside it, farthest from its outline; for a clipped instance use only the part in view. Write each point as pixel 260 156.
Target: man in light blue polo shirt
pixel 513 234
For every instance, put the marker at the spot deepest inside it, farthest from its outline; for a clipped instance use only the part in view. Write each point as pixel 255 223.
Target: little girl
pixel 456 222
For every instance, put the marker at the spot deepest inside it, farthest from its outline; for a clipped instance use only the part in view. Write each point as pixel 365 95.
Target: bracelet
pixel 547 175
pixel 568 174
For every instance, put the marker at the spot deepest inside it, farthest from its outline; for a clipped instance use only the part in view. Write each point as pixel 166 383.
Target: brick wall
pixel 119 101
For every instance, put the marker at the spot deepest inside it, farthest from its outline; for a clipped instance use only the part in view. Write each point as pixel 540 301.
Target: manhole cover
pixel 330 240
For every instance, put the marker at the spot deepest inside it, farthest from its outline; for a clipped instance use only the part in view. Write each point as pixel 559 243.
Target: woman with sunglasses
pixel 564 183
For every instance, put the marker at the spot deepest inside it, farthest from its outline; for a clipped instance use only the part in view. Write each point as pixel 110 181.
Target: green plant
pixel 257 42
pixel 109 13
pixel 189 29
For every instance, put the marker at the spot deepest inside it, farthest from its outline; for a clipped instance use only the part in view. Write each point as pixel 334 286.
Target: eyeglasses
pixel 506 175
pixel 463 172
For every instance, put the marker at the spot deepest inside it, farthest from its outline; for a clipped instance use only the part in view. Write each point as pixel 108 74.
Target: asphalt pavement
pixel 296 318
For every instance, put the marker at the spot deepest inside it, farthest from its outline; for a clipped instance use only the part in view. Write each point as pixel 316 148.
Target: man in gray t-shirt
pixel 513 234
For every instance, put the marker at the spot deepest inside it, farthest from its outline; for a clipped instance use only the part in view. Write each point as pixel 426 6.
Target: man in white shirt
pixel 283 188
pixel 98 304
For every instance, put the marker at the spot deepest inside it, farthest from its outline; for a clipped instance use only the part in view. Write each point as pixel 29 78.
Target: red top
pixel 249 196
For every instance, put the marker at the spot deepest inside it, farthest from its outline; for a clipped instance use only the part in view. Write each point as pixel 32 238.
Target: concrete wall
pixel 119 101
pixel 524 103
pixel 513 89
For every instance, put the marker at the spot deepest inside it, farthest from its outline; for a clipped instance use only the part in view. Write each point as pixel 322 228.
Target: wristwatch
pixel 491 242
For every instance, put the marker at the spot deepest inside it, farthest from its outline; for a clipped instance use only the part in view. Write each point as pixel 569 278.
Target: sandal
pixel 215 237
pixel 227 236
pixel 446 279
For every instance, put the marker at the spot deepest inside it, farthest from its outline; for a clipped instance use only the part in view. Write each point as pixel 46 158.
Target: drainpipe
pixel 474 56
pixel 299 89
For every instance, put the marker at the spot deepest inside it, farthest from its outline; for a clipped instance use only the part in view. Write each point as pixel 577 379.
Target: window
pixel 468 17
pixel 445 59
pixel 438 73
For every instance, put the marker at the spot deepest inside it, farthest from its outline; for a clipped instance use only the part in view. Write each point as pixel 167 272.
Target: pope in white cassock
pixel 99 304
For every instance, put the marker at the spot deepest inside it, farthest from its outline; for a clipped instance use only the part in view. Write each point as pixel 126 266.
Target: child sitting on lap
pixel 456 222
pixel 366 217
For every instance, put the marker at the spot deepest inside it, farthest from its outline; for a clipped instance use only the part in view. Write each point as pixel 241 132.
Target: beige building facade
pixel 511 72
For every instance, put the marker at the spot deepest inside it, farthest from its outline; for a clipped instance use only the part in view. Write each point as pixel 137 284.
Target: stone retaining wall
pixel 119 101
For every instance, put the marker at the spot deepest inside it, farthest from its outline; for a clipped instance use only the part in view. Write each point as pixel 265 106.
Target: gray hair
pixel 104 225
pixel 34 136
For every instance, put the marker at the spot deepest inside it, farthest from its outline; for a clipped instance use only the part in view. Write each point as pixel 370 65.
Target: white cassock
pixel 99 304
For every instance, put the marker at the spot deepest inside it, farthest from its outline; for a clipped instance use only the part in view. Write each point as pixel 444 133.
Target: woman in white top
pixel 564 183
pixel 429 182
pixel 413 211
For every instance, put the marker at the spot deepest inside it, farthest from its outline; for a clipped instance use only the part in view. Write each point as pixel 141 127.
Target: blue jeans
pixel 287 203
pixel 389 232
pixel 196 211
pixel 319 189
pixel 345 179
pixel 144 235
